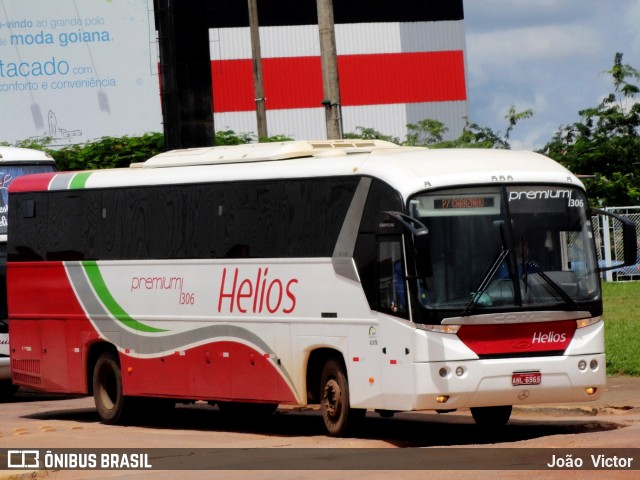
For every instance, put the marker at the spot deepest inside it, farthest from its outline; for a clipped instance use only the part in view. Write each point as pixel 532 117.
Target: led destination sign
pixel 463 202
pixel 457 204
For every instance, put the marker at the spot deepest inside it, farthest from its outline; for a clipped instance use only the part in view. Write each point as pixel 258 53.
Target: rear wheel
pixel 491 416
pixel 334 399
pixel 107 389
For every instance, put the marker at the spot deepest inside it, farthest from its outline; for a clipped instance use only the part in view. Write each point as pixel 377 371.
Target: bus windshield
pixel 507 248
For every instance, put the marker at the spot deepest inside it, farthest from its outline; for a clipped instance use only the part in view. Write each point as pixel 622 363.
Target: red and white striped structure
pixel 392 70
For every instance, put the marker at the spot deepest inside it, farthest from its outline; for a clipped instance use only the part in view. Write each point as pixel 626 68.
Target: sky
pixel 545 55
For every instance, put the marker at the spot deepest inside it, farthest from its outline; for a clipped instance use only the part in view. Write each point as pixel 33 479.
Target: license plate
pixel 526 378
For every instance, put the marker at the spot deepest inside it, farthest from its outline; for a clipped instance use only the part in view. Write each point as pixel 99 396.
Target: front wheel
pixel 107 389
pixel 491 416
pixel 334 402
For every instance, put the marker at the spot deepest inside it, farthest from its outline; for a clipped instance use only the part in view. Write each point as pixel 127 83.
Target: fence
pixel 608 237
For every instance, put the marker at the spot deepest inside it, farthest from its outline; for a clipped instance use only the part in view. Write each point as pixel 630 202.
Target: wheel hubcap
pixel 332 398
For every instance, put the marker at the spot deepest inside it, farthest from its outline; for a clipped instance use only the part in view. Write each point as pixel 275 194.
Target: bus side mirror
pixel 420 234
pixel 629 239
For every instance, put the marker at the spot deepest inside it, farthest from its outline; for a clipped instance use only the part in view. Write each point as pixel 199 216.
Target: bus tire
pixel 491 416
pixel 334 399
pixel 107 389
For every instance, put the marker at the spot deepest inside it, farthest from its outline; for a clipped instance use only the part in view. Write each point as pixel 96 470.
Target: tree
pixel 430 133
pixel 370 134
pixel 604 145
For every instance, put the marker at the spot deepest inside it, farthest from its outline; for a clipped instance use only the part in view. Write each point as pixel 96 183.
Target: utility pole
pixel 169 95
pixel 185 68
pixel 256 55
pixel 329 58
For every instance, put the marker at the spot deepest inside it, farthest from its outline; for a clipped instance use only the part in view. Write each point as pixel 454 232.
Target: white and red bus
pixel 14 162
pixel 355 275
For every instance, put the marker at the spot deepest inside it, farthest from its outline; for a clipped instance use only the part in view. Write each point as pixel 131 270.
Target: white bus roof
pixel 262 152
pixel 407 169
pixel 16 154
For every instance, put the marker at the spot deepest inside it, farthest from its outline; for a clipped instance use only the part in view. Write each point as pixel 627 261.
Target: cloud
pixel 547 55
pixel 491 15
pixel 516 52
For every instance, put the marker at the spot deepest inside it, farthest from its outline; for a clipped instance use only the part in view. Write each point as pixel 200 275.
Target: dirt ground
pixel 269 447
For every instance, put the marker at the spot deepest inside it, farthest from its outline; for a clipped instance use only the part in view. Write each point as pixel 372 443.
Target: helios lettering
pixel 255 294
pixel 551 337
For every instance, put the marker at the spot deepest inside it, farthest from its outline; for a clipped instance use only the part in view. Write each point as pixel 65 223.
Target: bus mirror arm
pixel 415 226
pixel 420 234
pixel 629 239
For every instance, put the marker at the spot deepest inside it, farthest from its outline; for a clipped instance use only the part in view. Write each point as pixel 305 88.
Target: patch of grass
pixel 622 327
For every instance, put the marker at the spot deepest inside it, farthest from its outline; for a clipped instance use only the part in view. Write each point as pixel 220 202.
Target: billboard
pixel 399 62
pixel 78 70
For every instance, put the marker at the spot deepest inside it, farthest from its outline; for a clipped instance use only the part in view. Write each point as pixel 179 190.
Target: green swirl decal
pixel 110 303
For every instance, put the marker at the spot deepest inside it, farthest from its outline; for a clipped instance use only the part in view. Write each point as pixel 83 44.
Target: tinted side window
pixel 391 283
pixel 127 216
pixel 72 225
pixel 283 218
pixel 28 226
pixel 374 226
pixel 264 219
pixel 314 213
pixel 184 221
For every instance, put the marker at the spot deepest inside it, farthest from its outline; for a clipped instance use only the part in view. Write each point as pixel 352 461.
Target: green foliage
pixel 275 139
pixel 430 133
pixel 425 132
pixel 108 152
pixel 36 144
pixel 514 117
pixel 605 144
pixel 622 329
pixel 475 136
pixel 370 134
pixel 112 152
pixel 229 137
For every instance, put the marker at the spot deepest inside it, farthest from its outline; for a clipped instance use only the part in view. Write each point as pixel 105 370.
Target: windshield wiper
pixel 556 288
pixel 486 280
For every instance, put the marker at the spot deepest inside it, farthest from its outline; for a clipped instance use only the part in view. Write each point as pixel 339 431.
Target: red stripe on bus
pixel 296 82
pixel 32 183
pixel 55 296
